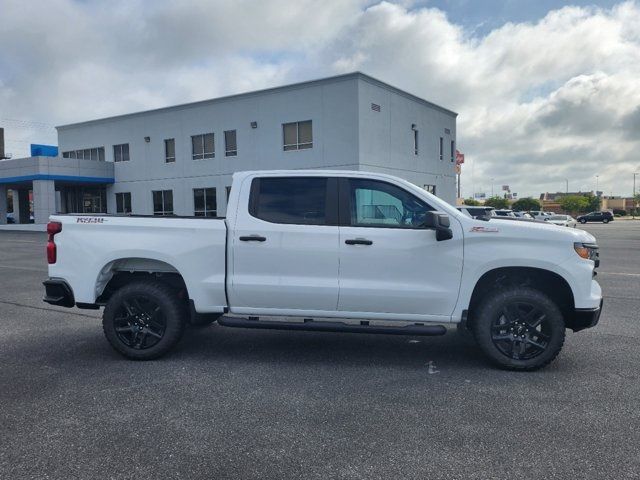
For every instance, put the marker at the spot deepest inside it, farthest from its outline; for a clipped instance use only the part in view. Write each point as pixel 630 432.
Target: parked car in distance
pixel 523 215
pixel 562 220
pixel 11 218
pixel 504 213
pixel 604 217
pixel 387 251
pixel 475 212
pixel 540 214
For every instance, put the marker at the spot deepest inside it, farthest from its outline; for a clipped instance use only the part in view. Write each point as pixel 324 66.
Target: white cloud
pixel 538 102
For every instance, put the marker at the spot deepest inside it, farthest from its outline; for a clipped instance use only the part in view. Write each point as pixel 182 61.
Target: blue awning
pixel 61 178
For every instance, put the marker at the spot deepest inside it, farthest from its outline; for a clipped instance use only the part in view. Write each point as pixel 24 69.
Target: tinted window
pixel 169 150
pixel 204 202
pixel 297 200
pixel 123 202
pixel 162 202
pixel 230 143
pixel 380 204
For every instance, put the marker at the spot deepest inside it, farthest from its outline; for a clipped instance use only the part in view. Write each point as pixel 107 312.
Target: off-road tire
pixel 488 322
pixel 165 303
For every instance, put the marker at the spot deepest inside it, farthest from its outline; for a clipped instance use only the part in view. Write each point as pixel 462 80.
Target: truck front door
pixel 284 247
pixel 389 263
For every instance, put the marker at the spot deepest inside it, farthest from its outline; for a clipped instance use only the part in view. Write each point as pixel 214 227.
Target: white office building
pixel 179 160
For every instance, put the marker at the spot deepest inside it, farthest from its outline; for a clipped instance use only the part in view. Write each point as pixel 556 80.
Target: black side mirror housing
pixel 439 222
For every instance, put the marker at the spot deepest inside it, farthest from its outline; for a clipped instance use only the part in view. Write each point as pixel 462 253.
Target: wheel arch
pixel 546 281
pixel 119 272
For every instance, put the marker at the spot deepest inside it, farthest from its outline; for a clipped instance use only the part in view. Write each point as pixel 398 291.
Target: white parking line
pixel 620 273
pixel 29 269
pixel 23 241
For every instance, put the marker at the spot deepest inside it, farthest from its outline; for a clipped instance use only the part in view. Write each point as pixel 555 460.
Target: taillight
pixel 52 229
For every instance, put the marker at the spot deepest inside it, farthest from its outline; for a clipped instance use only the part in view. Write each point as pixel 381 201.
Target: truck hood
pixel 529 230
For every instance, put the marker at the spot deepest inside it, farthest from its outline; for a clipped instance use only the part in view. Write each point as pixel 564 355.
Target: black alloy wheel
pixel 144 319
pixel 139 322
pixel 521 331
pixel 519 327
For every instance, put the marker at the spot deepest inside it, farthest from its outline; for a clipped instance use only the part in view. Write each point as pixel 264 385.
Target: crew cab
pixel 328 251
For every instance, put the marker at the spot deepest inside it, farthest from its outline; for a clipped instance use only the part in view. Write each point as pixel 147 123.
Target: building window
pixel 453 150
pixel 170 150
pixel 121 153
pixel 96 153
pixel 441 148
pixel 204 202
pixel 203 146
pixel 162 202
pixel 123 202
pixel 230 143
pixel 415 142
pixel 297 135
pixel 430 188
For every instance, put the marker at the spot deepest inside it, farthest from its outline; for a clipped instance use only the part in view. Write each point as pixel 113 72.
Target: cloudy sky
pixel 546 90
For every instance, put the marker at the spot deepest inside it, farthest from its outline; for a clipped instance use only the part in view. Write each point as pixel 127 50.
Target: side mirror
pixel 440 223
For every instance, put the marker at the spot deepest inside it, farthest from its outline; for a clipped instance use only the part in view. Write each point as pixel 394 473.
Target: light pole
pixel 635 209
pixel 492 186
pixel 597 185
pixel 567 185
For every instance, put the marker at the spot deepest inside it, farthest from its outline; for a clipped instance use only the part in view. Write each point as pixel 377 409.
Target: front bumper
pixel 585 318
pixel 58 292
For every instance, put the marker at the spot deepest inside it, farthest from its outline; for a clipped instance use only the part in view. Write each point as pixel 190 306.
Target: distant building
pixel 618 203
pixel 179 160
pixel 551 201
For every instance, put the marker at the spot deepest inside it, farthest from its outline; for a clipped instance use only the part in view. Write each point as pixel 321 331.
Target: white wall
pixel 386 139
pixel 332 108
pixel 346 135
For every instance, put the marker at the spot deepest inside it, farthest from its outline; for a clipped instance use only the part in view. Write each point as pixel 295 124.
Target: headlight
pixel 588 251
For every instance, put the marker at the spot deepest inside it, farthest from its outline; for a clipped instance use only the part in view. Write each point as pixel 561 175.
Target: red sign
pixel 459 157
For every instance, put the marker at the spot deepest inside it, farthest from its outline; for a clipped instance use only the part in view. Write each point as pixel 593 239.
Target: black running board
pixel 314 326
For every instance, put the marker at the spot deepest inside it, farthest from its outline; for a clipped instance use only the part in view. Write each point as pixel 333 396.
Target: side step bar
pixel 314 326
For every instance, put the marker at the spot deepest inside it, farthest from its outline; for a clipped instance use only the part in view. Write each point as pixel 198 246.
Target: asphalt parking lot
pixel 233 403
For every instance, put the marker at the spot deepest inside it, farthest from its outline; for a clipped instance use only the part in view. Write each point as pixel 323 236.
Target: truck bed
pixel 194 247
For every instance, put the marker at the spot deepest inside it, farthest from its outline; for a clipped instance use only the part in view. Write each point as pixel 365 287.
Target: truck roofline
pixel 240 177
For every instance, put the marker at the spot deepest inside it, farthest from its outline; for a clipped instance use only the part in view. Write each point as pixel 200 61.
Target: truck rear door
pixel 284 246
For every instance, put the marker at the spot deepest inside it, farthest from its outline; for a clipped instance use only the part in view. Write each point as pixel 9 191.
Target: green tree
pixel 594 203
pixel 636 203
pixel 471 202
pixel 575 203
pixel 497 202
pixel 526 204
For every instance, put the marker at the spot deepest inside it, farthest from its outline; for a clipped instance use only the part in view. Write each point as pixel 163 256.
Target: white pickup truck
pixel 328 251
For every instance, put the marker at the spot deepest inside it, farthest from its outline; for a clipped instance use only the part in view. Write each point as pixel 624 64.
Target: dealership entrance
pixel 82 199
pixel 33 188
